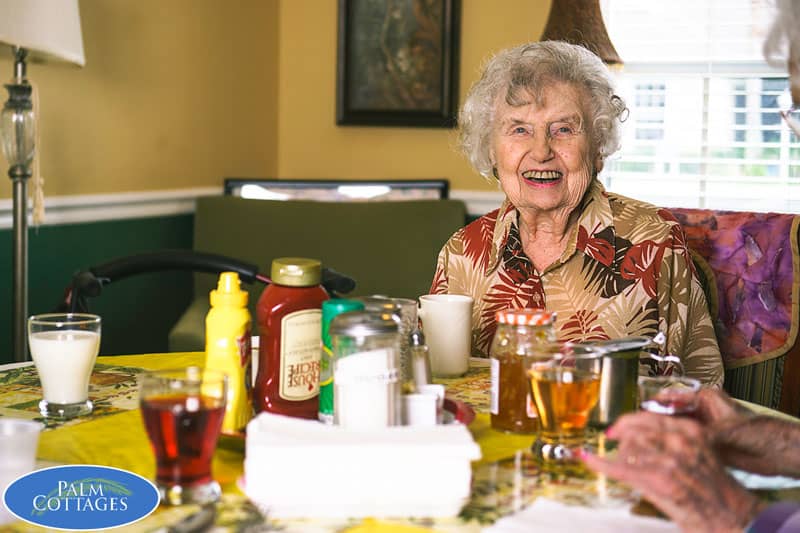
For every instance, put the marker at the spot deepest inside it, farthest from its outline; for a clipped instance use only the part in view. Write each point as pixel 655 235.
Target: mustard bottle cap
pixel 228 291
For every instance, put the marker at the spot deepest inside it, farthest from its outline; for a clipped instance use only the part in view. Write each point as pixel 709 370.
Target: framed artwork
pixel 397 63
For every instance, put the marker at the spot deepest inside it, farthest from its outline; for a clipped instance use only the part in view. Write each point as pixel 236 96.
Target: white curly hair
pixel 525 70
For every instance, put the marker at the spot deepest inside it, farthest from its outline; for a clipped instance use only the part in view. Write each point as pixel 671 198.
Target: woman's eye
pixel 519 130
pixel 561 130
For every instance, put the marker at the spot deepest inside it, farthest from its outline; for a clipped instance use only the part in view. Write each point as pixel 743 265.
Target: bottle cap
pixel 333 307
pixel 526 317
pixel 228 291
pixel 296 271
pixel 416 338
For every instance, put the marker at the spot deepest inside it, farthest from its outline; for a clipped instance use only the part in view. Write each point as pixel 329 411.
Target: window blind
pixel 704 128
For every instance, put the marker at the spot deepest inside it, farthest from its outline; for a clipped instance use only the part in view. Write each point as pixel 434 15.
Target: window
pixel 704 128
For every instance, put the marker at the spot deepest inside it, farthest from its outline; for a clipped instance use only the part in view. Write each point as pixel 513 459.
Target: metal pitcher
pixel 620 374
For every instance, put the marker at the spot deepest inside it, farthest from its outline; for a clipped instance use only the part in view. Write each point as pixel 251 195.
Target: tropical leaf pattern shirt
pixel 626 270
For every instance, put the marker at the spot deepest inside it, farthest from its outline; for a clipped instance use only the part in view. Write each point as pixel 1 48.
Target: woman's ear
pixel 598 164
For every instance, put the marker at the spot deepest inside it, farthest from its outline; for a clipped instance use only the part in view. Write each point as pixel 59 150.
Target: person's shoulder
pixel 481 227
pixel 626 209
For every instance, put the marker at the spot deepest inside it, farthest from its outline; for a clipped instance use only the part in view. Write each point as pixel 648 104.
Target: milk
pixel 64 360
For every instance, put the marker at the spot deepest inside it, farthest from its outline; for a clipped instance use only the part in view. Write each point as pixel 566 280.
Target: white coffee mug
pixel 447 325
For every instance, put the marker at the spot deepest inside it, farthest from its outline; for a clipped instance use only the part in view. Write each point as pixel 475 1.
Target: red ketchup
pixel 290 326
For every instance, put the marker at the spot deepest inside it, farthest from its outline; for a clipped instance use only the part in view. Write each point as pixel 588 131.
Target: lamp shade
pixel 580 22
pixel 49 30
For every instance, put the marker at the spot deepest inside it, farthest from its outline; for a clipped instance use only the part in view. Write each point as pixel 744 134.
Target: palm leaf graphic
pixel 107 485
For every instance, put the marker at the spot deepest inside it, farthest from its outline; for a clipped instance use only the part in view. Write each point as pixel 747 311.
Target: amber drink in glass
pixel 565 388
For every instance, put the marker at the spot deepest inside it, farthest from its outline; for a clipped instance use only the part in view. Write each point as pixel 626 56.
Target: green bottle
pixel 330 308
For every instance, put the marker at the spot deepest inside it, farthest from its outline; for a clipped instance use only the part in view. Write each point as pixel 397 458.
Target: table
pixel 505 480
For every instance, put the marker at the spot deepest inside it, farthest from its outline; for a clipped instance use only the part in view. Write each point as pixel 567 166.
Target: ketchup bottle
pixel 290 324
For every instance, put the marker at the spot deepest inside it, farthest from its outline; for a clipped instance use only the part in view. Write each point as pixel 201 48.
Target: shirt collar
pixel 596 215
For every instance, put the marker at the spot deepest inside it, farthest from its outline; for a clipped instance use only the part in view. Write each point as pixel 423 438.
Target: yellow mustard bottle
pixel 228 348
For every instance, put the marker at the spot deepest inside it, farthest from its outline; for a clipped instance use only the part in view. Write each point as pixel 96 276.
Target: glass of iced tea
pixel 565 386
pixel 668 395
pixel 182 411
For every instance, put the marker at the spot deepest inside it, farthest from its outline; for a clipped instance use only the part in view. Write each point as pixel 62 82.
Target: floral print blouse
pixel 626 270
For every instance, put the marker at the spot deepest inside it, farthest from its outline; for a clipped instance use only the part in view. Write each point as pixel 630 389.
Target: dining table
pixel 506 480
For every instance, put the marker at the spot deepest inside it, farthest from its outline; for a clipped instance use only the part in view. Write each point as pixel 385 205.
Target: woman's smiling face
pixel 541 150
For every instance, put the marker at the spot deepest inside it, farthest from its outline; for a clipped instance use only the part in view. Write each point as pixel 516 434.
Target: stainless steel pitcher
pixel 620 375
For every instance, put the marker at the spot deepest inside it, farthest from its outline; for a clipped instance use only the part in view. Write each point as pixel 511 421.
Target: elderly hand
pixel 759 444
pixel 671 461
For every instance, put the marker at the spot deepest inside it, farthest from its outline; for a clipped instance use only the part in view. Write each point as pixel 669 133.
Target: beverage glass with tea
pixel 565 385
pixel 668 395
pixel 182 411
pixel 64 348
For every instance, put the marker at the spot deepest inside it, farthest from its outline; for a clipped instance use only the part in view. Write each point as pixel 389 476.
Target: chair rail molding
pixel 115 206
pixel 478 202
pixel 145 204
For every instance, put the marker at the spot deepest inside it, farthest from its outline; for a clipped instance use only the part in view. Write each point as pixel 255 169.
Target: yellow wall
pixel 180 93
pixel 310 145
pixel 174 94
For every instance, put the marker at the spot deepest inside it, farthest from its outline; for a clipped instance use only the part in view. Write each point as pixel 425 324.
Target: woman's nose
pixel 540 148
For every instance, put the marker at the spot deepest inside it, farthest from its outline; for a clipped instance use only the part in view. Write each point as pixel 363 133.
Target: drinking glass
pixel 405 312
pixel 447 324
pixel 182 411
pixel 668 395
pixel 18 441
pixel 789 111
pixel 64 347
pixel 565 385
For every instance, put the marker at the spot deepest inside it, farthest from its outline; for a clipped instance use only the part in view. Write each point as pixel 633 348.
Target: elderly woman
pixel 542 120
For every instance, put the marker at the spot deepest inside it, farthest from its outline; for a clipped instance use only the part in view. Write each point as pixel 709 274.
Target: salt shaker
pixel 420 360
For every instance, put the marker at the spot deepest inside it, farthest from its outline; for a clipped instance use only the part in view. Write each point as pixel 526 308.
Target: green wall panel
pixel 137 312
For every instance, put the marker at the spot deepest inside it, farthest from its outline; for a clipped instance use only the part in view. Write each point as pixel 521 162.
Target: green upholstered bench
pixel 387 247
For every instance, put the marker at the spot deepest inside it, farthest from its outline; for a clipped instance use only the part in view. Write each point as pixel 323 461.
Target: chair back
pixel 753 277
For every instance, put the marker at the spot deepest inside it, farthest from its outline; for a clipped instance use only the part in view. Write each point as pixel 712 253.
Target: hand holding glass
pixel 183 411
pixel 64 348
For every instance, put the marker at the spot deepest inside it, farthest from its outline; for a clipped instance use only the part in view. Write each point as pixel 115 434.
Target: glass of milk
pixel 64 348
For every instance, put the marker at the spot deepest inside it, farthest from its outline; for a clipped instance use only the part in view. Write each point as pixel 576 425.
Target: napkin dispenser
pixel 301 468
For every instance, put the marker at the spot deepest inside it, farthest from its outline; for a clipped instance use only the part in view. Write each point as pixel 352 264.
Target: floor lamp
pixel 39 30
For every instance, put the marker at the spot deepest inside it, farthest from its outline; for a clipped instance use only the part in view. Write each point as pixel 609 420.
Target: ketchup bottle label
pixel 300 353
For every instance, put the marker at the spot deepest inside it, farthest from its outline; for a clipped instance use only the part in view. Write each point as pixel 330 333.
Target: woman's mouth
pixel 542 176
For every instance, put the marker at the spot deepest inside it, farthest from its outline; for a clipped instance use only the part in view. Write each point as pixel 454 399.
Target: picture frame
pixel 397 63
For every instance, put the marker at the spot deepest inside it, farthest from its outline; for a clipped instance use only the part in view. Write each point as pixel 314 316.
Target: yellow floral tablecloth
pixel 504 480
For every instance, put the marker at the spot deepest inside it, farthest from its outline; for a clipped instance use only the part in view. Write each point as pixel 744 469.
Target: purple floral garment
pixel 754 260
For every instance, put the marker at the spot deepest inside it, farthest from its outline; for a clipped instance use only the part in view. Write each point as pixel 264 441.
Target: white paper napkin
pixel 299 467
pixel 546 515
